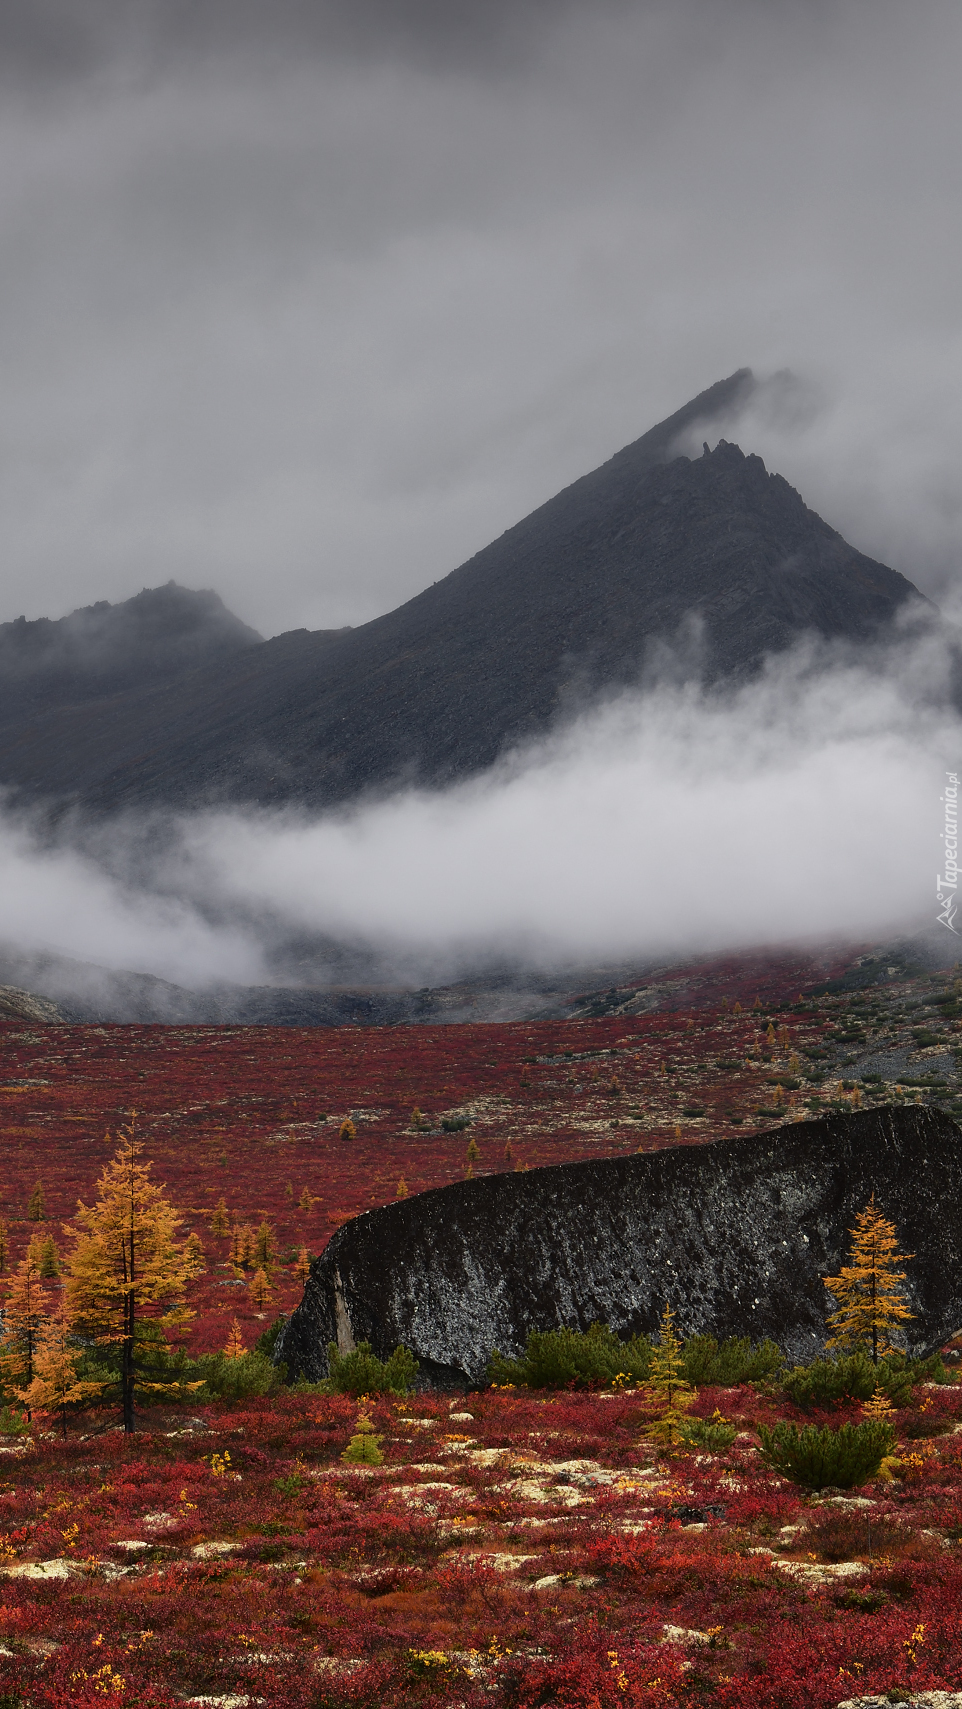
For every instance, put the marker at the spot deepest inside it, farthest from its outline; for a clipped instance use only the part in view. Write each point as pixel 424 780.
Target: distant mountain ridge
pixel 578 599
pixel 160 633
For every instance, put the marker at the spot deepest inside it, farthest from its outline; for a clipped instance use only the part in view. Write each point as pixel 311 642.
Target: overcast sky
pixel 307 302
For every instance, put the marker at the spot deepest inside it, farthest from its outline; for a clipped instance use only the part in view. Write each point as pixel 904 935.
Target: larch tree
pixel 24 1313
pixel 302 1268
pixel 242 1246
pixel 219 1222
pixel 869 1297
pixel 666 1385
pixel 48 1258
pixel 265 1246
pixel 127 1271
pixel 36 1209
pixel 56 1384
pixel 235 1348
pixel 194 1252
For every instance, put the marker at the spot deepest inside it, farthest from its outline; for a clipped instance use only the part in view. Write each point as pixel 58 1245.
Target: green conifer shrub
pixel 712 1435
pixel 570 1358
pixel 852 1376
pixel 710 1364
pixel 821 1458
pixel 362 1372
pixel 247 1377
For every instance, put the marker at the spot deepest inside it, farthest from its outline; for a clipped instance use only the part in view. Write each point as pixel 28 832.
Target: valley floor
pixel 512 1549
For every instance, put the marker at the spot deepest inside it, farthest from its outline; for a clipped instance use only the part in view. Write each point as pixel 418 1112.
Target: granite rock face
pixel 736 1234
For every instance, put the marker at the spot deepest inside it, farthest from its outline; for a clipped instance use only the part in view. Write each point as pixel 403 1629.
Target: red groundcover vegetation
pixel 513 1548
pixel 255 1115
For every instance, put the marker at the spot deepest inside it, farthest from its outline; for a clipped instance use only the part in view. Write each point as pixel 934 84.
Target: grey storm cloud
pixel 307 302
pixel 56 41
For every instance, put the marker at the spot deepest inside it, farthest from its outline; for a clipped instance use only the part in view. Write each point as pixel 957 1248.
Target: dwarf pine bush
pixel 570 1358
pixel 246 1377
pixel 820 1458
pixel 853 1376
pixel 362 1372
pixel 711 1364
pixel 713 1435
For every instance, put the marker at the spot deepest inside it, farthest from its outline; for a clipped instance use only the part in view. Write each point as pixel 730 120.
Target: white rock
pixel 502 1563
pixel 811 1572
pixel 42 1569
pixel 583 1581
pixel 922 1700
pixel 232 1700
pixel 204 1551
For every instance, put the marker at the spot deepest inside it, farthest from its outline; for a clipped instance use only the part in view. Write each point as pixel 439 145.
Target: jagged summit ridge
pixel 571 602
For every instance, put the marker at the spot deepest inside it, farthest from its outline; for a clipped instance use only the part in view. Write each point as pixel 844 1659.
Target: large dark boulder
pixel 737 1235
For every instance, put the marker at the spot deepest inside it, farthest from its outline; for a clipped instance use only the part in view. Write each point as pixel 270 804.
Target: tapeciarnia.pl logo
pixel 947 882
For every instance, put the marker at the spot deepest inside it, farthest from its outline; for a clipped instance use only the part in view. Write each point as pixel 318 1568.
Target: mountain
pixel 158 635
pixel 580 598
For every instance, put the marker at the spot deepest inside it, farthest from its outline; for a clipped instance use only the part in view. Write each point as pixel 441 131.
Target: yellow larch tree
pixel 259 1289
pixel 265 1247
pixel 220 1222
pixel 868 1294
pixel 24 1313
pixel 127 1270
pixel 56 1384
pixel 235 1348
pixel 666 1386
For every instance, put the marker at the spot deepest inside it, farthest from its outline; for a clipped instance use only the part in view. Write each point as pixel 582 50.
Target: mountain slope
pixel 580 597
pixel 100 649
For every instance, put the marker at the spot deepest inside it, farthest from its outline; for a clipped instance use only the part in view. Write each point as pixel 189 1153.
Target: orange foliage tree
pixel 24 1313
pixel 127 1265
pixel 55 1384
pixel 870 1300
